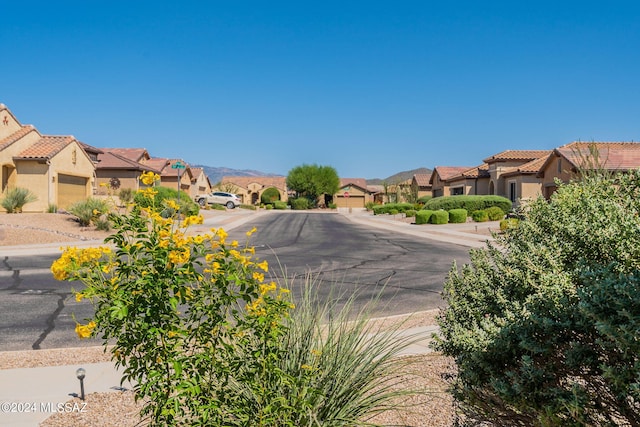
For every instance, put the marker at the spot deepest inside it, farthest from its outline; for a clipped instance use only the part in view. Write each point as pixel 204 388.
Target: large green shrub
pixel 270 195
pixel 424 199
pixel 388 208
pixel 280 205
pixel 495 213
pixel 470 203
pixel 439 217
pixel 423 216
pixel 457 216
pixel 16 198
pixel 543 326
pixel 300 204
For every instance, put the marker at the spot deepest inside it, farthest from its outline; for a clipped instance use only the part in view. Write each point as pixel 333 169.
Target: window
pixel 457 191
pixel 512 191
pixel 559 165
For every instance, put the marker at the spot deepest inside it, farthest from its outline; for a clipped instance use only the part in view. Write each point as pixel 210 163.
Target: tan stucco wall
pixel 34 176
pixel 7 155
pixel 128 179
pixel 11 126
pixel 63 163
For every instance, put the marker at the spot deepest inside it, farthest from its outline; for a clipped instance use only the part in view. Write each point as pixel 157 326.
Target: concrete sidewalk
pixel 28 396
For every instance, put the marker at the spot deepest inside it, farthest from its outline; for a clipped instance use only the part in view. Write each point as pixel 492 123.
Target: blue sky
pixel 368 87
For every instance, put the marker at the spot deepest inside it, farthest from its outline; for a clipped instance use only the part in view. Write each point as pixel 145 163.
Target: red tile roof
pixel 422 179
pixel 157 163
pixel 24 131
pixel 358 182
pixel 524 155
pixel 447 172
pixel 135 154
pixel 532 167
pixel 112 160
pixel 611 158
pixel 46 147
pixel 481 171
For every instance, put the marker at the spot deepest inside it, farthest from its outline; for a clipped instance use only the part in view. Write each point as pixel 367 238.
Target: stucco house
pixel 250 188
pixel 121 168
pixel 420 185
pixel 440 179
pixel 353 193
pixel 200 183
pixel 56 169
pixel 565 162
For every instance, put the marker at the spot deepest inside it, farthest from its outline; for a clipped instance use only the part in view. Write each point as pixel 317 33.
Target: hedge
pixel 423 216
pixel 457 216
pixel 480 216
pixel 470 203
pixel 389 207
pixel 300 204
pixel 439 217
pixel 280 204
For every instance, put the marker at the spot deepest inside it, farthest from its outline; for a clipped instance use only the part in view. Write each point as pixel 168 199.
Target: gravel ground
pixel 430 408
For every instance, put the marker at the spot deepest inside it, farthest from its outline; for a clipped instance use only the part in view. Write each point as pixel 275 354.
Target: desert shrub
pixel 270 195
pixel 439 217
pixel 332 206
pixel 185 205
pixel 16 198
pixel 300 204
pixel 369 205
pixel 248 207
pixel 126 195
pixel 457 216
pixel 269 207
pixel 494 213
pixel 508 223
pixel 543 325
pixel 480 216
pixel 89 210
pixel 393 212
pixel 280 205
pixel 216 207
pixel 424 199
pixel 469 202
pixel 410 213
pixel 52 208
pixel 423 216
pixel 387 208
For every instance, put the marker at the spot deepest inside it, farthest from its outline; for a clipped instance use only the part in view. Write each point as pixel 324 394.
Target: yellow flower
pixel 267 288
pixel 173 205
pixel 307 367
pixel 84 331
pixel 179 257
pixel 258 276
pixel 79 296
pixel 264 265
pixel 192 219
pixel 148 178
pixel 250 232
pixel 234 244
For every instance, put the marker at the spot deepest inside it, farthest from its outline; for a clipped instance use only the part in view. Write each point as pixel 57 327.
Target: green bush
pixel 52 208
pixel 16 198
pixel 187 206
pixel 332 206
pixel 270 206
pixel 370 205
pixel 393 212
pixel 543 325
pixel 424 199
pixel 300 204
pixel 410 213
pixel 389 207
pixel 280 205
pixel 248 207
pixel 495 213
pixel 270 195
pixel 470 203
pixel 480 216
pixel 423 216
pixel 89 210
pixel 457 216
pixel 439 217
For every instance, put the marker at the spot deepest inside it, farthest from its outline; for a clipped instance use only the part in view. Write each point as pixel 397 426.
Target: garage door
pixel 71 189
pixel 351 201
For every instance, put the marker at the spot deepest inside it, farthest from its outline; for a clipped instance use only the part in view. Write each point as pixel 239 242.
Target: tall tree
pixel 311 181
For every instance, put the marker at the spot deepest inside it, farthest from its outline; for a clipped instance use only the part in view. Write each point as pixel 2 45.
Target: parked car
pixel 218 198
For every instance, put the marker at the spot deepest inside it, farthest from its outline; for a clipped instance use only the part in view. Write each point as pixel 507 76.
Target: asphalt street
pixel 343 257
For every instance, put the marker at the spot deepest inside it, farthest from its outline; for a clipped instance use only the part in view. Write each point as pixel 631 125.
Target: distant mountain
pixel 399 177
pixel 215 174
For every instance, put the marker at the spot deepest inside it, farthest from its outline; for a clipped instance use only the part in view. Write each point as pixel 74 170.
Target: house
pixel 116 170
pixel 57 169
pixel 509 161
pixel 200 183
pixel 420 186
pixel 353 193
pixel 250 188
pixel 439 179
pixel 565 162
pixel 471 181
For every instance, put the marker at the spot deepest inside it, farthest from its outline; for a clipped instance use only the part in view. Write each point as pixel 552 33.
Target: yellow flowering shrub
pixel 191 319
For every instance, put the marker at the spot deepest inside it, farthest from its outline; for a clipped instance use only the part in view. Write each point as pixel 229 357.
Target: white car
pixel 218 198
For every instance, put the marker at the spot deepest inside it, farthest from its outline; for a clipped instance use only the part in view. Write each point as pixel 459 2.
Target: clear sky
pixel 369 87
